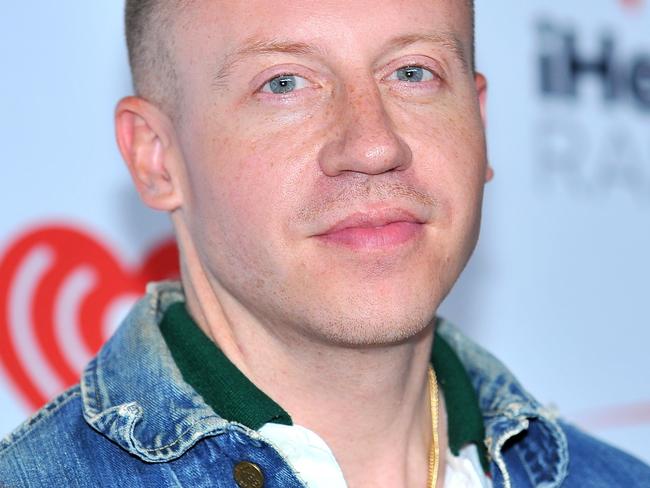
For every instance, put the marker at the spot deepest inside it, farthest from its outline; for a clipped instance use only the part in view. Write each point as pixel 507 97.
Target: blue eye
pixel 284 84
pixel 412 74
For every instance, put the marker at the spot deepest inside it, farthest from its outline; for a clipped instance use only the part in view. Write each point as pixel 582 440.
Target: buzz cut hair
pixel 149 40
pixel 149 28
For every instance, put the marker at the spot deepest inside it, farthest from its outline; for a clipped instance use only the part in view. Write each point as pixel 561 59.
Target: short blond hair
pixel 148 27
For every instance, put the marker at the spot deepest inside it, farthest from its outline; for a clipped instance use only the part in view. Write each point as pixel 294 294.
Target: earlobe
pixel 144 136
pixel 481 91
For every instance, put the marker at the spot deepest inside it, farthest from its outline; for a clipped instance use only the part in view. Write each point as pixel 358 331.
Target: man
pixel 323 165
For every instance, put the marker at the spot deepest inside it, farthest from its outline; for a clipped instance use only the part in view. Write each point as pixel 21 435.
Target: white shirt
pixel 316 466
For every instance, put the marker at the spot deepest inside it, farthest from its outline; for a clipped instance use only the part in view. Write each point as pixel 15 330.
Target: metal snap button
pixel 248 475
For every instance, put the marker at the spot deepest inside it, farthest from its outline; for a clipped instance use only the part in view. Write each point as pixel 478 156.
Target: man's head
pixel 325 166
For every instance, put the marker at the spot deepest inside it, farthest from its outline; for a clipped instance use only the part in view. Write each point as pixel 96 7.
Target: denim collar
pixel 117 386
pixel 510 413
pixel 117 402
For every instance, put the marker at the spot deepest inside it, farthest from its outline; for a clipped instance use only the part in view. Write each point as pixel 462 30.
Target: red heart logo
pixel 61 294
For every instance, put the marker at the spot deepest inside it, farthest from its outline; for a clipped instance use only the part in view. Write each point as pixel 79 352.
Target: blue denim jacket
pixel 133 422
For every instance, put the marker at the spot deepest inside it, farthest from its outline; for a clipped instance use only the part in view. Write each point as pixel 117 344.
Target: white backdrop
pixel 557 288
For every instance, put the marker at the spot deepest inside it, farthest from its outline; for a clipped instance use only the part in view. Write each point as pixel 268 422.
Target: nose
pixel 365 140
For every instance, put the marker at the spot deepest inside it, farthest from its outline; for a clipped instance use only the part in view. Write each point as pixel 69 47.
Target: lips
pixel 383 229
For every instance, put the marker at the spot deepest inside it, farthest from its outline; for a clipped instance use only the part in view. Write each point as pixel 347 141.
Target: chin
pixel 361 325
pixel 351 310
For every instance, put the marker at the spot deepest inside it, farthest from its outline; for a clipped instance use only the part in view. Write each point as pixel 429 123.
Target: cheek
pixel 451 149
pixel 241 197
pixel 451 156
pixel 245 198
pixel 233 223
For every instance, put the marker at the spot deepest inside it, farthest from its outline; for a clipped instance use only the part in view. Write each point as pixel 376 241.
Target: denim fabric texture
pixel 133 422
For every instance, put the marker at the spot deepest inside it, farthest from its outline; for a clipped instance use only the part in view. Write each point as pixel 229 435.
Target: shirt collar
pixel 464 418
pixel 207 369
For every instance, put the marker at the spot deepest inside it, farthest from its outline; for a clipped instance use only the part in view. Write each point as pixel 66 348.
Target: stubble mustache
pixel 357 193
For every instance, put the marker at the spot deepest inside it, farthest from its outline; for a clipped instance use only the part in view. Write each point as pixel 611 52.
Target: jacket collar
pixel 510 411
pixel 116 397
pixel 117 387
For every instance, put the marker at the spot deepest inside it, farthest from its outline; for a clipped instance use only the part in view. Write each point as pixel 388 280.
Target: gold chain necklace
pixel 434 453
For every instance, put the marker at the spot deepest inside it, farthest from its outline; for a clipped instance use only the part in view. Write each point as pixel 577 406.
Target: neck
pixel 369 404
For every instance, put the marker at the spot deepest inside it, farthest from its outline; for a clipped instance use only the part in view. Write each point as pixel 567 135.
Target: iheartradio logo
pixel 62 293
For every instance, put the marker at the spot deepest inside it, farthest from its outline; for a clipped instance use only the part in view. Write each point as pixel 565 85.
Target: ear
pixel 145 136
pixel 481 91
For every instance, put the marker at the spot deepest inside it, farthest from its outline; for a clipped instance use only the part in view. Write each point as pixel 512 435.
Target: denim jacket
pixel 133 422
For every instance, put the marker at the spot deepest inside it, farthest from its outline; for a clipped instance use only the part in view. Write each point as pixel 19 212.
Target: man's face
pixel 335 159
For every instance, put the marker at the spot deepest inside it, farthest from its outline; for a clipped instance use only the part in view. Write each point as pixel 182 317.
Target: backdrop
pixel 557 288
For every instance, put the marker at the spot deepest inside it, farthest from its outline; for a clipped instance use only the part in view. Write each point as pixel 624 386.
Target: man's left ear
pixel 145 136
pixel 481 91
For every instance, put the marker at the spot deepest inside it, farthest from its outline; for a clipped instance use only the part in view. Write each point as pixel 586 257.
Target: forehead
pixel 353 25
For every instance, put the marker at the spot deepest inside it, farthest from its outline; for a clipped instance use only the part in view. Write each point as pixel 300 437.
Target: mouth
pixel 379 230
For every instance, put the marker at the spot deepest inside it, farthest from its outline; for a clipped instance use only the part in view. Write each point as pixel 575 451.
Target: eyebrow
pixel 448 40
pixel 257 47
pixel 254 47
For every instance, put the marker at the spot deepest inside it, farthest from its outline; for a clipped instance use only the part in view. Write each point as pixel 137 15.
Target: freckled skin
pixel 262 177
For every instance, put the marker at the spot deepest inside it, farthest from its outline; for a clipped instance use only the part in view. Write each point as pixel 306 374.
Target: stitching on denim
pixel 88 389
pixel 151 450
pixel 44 413
pixel 521 454
pixel 498 447
pixel 241 430
pixel 541 477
